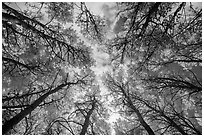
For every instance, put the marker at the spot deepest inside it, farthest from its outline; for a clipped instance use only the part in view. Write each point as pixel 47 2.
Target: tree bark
pixel 179 128
pixel 87 119
pixel 16 119
pixel 176 126
pixel 142 121
pixel 140 118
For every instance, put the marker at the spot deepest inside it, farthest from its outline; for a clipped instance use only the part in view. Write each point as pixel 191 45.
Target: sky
pixel 102 59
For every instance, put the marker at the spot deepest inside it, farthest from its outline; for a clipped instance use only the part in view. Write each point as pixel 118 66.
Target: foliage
pixel 154 82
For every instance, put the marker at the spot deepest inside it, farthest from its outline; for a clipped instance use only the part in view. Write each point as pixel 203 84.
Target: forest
pixel 85 68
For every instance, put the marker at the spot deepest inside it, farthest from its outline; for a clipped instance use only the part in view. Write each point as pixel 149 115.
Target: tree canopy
pixel 55 80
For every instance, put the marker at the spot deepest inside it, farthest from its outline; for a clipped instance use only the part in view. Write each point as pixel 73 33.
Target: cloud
pixel 109 12
pixel 106 11
pixel 95 7
pixel 102 60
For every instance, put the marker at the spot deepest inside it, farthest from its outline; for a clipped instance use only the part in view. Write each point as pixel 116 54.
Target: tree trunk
pixel 140 118
pixel 87 119
pixel 179 128
pixel 16 119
